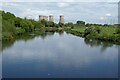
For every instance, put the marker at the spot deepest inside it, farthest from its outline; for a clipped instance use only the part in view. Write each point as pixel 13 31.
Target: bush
pixel 92 31
pixel 93 36
pixel 42 29
pixel 117 37
pixel 19 31
pixel 7 36
pixel 118 30
pixel 97 29
pixel 104 36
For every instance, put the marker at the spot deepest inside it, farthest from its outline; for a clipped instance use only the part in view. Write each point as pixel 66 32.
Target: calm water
pixel 59 56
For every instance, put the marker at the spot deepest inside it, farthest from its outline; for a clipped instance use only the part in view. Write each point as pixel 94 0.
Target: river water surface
pixel 59 56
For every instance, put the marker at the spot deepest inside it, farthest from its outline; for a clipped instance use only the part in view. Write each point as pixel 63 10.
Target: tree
pixel 51 24
pixel 19 31
pixel 80 23
pixel 44 23
pixel 56 25
pixel 70 24
pixel 61 25
pixel 18 22
pixel 37 25
pixel 27 25
pixel 7 15
pixel 92 32
pixel 117 30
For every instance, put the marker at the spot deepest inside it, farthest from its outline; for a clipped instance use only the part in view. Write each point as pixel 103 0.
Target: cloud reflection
pixel 66 50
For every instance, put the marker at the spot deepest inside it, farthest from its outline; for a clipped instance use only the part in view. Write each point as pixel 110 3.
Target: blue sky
pixel 90 12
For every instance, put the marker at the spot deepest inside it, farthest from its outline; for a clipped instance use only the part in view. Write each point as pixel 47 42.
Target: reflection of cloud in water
pixel 66 51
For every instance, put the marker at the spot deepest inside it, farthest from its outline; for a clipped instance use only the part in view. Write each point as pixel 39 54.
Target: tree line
pixel 12 26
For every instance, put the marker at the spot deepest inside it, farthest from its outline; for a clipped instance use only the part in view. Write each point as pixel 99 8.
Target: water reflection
pixel 89 42
pixel 97 43
pixel 59 56
pixel 27 37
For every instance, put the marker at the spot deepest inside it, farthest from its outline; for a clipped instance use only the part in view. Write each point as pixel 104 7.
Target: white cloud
pixel 60 1
pixel 108 14
pixel 63 4
pixel 102 18
pixel 8 4
pixel 0 6
pixel 29 13
pixel 89 12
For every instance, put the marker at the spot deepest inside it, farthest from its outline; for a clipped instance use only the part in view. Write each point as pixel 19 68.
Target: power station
pixel 43 17
pixel 61 19
pixel 51 18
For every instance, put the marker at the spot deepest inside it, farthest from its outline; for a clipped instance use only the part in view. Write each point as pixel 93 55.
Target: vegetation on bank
pixel 108 33
pixel 13 26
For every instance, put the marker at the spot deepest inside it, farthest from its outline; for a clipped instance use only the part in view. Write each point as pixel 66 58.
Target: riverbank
pixel 13 27
pixel 109 34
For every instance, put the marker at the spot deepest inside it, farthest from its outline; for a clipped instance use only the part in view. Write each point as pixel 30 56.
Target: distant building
pixel 41 17
pixel 61 19
pixel 51 18
pixel 45 18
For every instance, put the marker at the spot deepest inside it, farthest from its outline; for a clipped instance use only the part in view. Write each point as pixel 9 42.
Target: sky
pixel 90 12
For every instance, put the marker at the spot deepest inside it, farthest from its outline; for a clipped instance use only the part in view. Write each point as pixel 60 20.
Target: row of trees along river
pixel 13 27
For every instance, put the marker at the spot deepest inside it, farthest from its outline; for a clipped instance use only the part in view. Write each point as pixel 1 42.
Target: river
pixel 57 55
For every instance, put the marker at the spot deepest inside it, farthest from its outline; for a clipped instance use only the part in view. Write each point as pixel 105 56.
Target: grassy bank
pixel 110 34
pixel 79 29
pixel 107 30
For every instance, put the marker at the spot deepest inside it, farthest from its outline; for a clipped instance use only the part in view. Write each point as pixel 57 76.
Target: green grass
pixel 108 30
pixel 104 30
pixel 80 29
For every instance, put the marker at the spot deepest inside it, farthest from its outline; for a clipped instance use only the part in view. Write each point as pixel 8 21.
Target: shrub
pixel 92 31
pixel 19 31
pixel 117 37
pixel 93 35
pixel 98 29
pixel 7 36
pixel 104 36
pixel 118 30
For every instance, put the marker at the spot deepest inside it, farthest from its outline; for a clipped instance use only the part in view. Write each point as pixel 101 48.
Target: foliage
pixel 80 24
pixel 7 36
pixel 118 30
pixel 20 31
pixel 61 25
pixel 70 24
pixel 50 24
pixel 17 21
pixel 91 31
pixel 93 36
pixel 12 25
pixel 98 32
